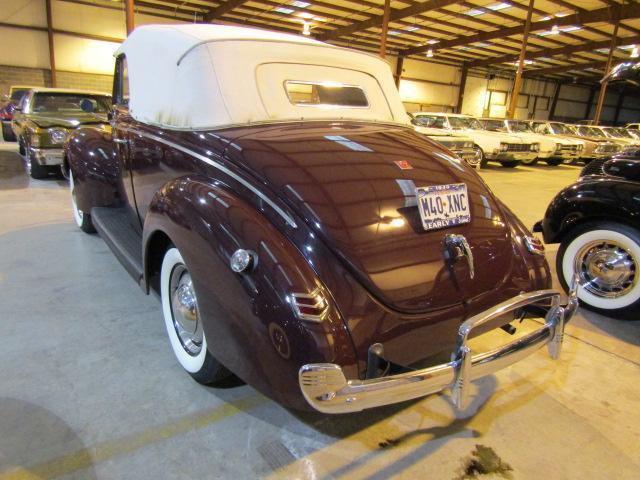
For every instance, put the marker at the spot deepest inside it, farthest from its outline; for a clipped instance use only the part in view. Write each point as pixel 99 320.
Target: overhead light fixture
pixel 570 28
pixel 412 28
pixel 306 15
pixel 555 30
pixel 300 4
pixel 433 42
pixel 306 29
pixel 286 11
pixel 474 12
pixel 430 53
pixel 499 6
pixel 634 52
pixel 393 32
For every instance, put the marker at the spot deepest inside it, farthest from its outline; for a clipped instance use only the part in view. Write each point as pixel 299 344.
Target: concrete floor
pixel 89 387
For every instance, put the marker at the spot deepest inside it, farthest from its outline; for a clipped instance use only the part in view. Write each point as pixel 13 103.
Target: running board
pixel 114 226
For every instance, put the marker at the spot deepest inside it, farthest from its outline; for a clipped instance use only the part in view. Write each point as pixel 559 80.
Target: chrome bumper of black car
pixel 327 390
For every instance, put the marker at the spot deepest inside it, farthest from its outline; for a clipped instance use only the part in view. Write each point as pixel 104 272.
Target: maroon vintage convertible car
pixel 299 233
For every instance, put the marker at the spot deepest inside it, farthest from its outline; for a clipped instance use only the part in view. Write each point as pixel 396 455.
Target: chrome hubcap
pixel 606 269
pixel 184 308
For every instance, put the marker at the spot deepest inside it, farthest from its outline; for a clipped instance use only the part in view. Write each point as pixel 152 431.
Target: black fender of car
pixel 248 318
pixel 592 199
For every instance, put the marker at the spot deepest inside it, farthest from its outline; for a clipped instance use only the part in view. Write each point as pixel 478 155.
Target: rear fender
pixel 91 157
pixel 249 324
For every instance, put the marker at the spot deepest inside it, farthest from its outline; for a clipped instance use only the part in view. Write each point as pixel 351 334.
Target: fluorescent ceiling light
pixel 480 44
pixel 499 6
pixel 474 12
pixel 526 62
pixel 562 14
pixel 393 32
pixel 306 15
pixel 570 28
pixel 433 42
pixel 286 11
pixel 299 4
pixel 412 28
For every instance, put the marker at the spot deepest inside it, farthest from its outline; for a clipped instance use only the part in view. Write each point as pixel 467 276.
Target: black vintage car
pixel 597 223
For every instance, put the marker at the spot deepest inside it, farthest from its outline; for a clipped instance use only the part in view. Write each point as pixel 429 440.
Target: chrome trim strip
pixel 326 388
pixel 220 167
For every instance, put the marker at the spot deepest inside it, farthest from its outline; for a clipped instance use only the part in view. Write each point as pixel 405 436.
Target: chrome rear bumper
pixel 327 390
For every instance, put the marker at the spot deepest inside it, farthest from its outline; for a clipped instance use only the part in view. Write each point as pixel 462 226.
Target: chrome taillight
pixel 310 306
pixel 534 245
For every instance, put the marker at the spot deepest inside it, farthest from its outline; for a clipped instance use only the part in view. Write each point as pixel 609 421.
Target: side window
pixel 121 82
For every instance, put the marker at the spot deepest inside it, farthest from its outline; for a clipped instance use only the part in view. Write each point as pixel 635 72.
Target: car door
pixel 120 120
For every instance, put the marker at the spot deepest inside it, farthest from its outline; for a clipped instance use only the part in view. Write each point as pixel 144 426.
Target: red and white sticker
pixel 403 164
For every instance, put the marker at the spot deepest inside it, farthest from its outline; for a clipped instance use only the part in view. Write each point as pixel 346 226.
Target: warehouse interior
pixel 89 387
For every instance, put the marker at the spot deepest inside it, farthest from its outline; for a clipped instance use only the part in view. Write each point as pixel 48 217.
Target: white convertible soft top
pixel 198 77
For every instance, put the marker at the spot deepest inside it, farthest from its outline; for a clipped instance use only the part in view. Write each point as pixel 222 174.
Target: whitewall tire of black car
pixel 83 220
pixel 606 257
pixel 183 323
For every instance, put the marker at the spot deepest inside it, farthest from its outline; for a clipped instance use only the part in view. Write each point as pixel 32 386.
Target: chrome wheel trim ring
pixel 606 269
pixel 184 310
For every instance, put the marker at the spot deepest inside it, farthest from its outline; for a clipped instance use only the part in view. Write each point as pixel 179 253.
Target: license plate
pixel 443 206
pixel 52 158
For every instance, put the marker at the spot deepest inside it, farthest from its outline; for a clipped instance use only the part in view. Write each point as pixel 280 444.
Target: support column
pixel 52 55
pixel 554 102
pixel 517 84
pixel 128 4
pixel 603 86
pixel 463 84
pixel 385 28
pixel 398 75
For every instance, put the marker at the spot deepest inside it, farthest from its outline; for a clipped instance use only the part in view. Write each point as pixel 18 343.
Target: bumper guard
pixel 327 390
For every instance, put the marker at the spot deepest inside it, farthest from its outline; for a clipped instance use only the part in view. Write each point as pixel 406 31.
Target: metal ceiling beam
pixel 607 14
pixel 222 9
pixel 550 52
pixel 376 21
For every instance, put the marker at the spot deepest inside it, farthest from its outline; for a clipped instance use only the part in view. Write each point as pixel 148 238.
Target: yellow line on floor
pixel 86 457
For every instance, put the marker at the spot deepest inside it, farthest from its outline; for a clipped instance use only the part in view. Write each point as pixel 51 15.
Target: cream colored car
pixel 507 149
pixel 553 150
pixel 460 144
pixel 596 144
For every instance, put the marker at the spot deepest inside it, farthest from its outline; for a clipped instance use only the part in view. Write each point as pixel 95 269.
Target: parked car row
pixel 514 142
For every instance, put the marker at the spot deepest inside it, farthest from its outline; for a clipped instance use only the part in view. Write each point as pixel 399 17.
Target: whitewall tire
pixel 83 220
pixel 183 322
pixel 606 257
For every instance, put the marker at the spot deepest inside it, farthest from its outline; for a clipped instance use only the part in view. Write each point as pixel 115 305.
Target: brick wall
pixel 41 77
